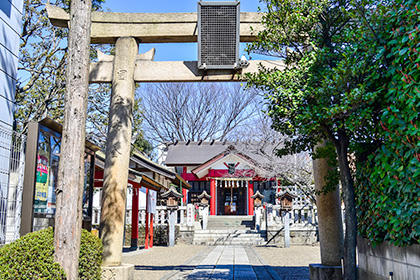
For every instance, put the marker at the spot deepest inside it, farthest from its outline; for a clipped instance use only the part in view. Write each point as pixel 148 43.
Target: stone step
pixel 227 231
pixel 228 242
pixel 226 236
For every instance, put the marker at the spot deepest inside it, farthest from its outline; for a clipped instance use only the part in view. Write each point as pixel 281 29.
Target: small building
pixel 228 176
pixel 143 174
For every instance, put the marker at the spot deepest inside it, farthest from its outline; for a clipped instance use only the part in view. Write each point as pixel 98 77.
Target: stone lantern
pixel 286 203
pixel 172 199
pixel 258 209
pixel 286 199
pixel 204 198
pixel 203 209
pixel 258 197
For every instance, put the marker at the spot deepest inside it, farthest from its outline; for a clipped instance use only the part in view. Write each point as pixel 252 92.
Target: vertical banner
pixel 190 215
pixel 151 201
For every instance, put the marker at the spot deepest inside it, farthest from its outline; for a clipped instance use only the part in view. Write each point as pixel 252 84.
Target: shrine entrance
pixel 232 197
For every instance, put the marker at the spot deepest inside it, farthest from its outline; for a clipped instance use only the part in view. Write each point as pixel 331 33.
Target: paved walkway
pixel 234 262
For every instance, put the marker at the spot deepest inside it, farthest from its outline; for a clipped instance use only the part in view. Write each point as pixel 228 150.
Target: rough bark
pixel 69 190
pixel 350 270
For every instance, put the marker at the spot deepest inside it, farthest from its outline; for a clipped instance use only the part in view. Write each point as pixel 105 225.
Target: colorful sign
pixel 41 185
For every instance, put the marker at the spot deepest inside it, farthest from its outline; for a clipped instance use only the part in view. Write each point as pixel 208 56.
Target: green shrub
pixel 31 257
pixel 90 259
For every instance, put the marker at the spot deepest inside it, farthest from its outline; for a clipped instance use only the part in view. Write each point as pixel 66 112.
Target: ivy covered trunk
pixel 350 238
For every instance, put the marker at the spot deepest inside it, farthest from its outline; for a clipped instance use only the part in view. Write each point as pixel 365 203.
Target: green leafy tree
pixel 388 190
pixel 329 87
pixel 41 79
pixel 42 64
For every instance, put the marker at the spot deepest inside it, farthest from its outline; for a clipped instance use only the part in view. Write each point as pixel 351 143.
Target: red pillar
pixel 184 191
pixel 146 230
pixel 135 218
pixel 250 200
pixel 184 199
pixel 213 197
pixel 151 231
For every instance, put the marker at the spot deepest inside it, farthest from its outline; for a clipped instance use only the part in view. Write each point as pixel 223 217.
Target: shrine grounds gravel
pixel 293 256
pixel 159 262
pixel 155 263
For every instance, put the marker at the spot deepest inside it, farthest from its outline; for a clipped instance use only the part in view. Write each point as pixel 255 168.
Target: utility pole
pixel 69 191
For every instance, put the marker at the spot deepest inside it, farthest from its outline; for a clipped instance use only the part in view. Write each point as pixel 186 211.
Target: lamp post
pixel 172 199
pixel 286 203
pixel 204 207
pixel 258 197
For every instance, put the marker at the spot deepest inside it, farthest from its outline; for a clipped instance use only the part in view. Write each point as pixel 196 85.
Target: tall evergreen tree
pixel 329 88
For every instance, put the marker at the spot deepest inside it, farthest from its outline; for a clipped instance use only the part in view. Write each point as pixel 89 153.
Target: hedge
pixel 388 190
pixel 32 257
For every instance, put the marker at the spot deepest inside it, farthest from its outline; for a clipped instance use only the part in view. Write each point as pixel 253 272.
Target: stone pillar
pixel 190 215
pixel 269 209
pixel 204 213
pixel 286 230
pixel 135 219
pixel 258 216
pixel 118 151
pixel 213 197
pixel 171 230
pixel 330 224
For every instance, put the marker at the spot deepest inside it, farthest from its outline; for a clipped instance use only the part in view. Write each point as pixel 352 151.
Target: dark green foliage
pixel 388 191
pixel 90 258
pixel 31 257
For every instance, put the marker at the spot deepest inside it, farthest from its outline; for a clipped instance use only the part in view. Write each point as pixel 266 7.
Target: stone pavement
pixel 234 262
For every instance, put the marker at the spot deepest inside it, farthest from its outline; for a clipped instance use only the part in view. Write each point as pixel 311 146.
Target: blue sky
pixel 172 51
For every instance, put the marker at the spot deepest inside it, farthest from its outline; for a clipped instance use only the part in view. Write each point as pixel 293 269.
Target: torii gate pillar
pixel 118 150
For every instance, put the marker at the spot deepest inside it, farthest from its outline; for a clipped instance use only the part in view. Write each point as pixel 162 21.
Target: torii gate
pixel 126 68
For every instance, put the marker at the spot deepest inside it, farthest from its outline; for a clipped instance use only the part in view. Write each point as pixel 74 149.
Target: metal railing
pixel 12 165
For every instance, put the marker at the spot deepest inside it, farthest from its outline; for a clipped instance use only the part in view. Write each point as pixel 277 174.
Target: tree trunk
pixel 70 181
pixel 350 269
pixel 330 222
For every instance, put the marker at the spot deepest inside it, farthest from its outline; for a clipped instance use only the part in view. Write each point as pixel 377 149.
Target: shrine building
pixel 229 176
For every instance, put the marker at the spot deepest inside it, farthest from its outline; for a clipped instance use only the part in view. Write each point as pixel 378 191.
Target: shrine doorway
pixel 231 201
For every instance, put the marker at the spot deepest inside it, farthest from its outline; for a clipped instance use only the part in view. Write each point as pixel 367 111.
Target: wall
pixel 376 263
pixel 298 237
pixel 10 29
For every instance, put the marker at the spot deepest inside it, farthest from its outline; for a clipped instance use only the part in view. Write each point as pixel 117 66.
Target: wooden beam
pixel 151 27
pixel 177 71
